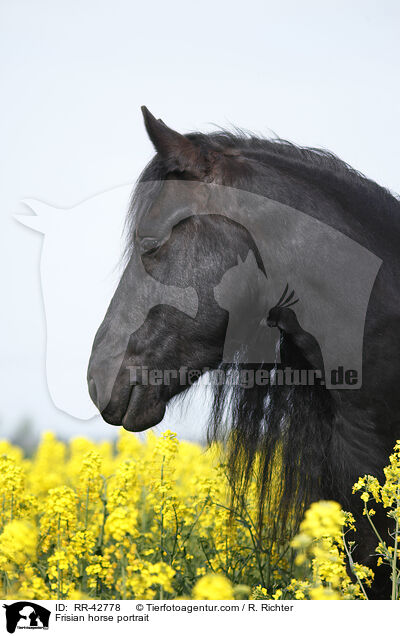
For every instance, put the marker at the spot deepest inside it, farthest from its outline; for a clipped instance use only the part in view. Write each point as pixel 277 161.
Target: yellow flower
pixel 59 519
pixel 321 593
pixel 18 542
pixel 323 518
pixel 213 587
pixel 11 488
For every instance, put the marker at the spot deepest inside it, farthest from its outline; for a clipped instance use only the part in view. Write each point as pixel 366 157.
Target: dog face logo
pixel 26 615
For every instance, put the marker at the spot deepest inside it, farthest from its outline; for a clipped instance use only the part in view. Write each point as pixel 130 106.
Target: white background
pixel 74 74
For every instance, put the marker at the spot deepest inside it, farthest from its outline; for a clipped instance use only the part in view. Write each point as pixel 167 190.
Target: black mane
pixel 314 171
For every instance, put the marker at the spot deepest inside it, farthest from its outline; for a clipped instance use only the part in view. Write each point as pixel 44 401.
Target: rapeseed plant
pixel 153 521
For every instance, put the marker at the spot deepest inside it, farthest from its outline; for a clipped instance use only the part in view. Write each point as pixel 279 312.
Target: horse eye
pixel 148 245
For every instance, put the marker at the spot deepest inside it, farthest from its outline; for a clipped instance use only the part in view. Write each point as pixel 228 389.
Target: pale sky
pixel 73 77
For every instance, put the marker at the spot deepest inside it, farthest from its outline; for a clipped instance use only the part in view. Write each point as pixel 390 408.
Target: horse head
pixel 164 323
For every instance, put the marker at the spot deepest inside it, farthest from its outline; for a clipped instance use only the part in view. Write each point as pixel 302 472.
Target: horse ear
pixel 176 150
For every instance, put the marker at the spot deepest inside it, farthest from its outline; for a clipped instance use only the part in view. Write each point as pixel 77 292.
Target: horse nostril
pixel 92 390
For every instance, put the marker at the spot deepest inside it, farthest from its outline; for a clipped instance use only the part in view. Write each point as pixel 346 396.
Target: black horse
pixel 326 437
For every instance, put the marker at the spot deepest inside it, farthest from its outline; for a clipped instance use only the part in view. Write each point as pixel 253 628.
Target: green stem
pixel 372 524
pixel 351 563
pixel 123 576
pixel 396 538
pixel 87 508
pixel 162 514
pixel 104 499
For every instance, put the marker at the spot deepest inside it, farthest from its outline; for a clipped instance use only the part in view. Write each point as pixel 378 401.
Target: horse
pixel 326 436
